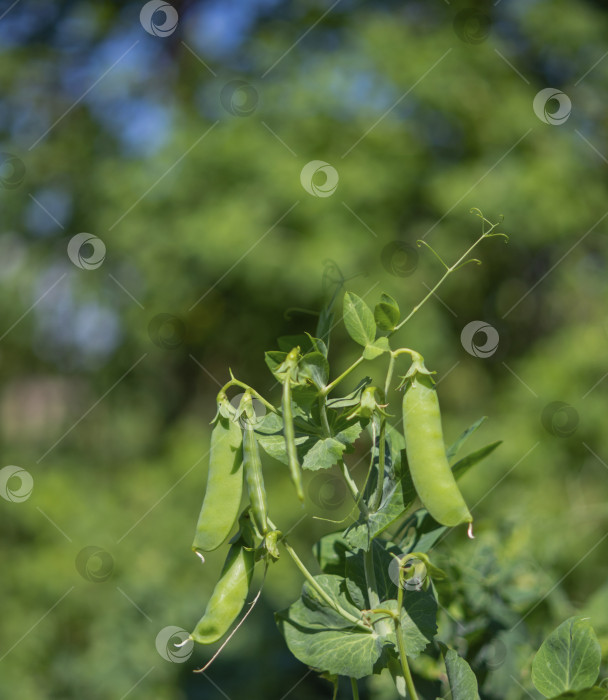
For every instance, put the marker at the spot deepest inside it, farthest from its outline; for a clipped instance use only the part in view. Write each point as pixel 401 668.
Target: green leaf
pixel 463 465
pixel 323 454
pixel 594 693
pixel 351 399
pixel 421 532
pixel 315 368
pixel 330 551
pixel 569 659
pixel 463 684
pixel 356 582
pixel 387 313
pixel 321 638
pixel 274 359
pixel 418 620
pixel 375 349
pixel 347 432
pixel 458 443
pixel 325 325
pixel 358 319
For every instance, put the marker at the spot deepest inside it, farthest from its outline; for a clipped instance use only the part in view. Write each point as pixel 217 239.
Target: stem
pixel 344 374
pixel 355 688
pixel 382 626
pixel 409 682
pixel 352 487
pixel 322 594
pixel 389 376
pixel 446 274
pixel 323 412
pixel 236 382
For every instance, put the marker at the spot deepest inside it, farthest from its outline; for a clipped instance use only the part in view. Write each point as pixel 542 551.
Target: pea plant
pixel 373 604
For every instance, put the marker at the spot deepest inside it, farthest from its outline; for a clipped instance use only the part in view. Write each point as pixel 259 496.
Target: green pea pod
pixel 425 449
pixel 228 597
pixel 253 474
pixel 224 486
pixel 290 438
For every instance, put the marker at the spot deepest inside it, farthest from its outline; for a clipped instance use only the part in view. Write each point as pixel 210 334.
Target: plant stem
pixel 323 412
pixel 446 274
pixel 352 487
pixel 236 382
pixel 344 374
pixel 382 626
pixel 322 594
pixel 409 682
pixel 355 687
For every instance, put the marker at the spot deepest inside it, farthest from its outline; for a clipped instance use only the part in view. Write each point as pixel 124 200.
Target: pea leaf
pixel 358 319
pixel 421 532
pixel 330 551
pixel 320 637
pixel 463 684
pixel 569 659
pixel 387 313
pixel 594 693
pixel 463 465
pixel 323 454
pixel 375 349
pixel 458 443
pixel 351 399
pixel 315 368
pixel 274 359
pixel 355 572
pixel 418 620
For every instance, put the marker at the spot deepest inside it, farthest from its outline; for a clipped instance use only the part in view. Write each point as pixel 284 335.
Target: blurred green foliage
pixel 424 112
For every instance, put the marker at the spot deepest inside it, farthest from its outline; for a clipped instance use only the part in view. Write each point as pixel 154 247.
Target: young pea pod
pixel 253 471
pixel 288 428
pixel 222 500
pixel 425 449
pixel 229 595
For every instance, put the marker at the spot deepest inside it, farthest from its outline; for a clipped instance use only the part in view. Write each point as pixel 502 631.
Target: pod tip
pixel 470 531
pixel 202 558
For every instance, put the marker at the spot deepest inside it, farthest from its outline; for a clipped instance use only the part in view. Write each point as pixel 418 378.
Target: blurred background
pixel 174 138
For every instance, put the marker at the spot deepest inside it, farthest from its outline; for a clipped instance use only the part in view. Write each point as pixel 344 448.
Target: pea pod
pixel 253 471
pixel 220 507
pixel 229 595
pixel 288 428
pixel 425 449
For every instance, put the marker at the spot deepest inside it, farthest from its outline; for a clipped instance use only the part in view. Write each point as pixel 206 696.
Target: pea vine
pixel 374 604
